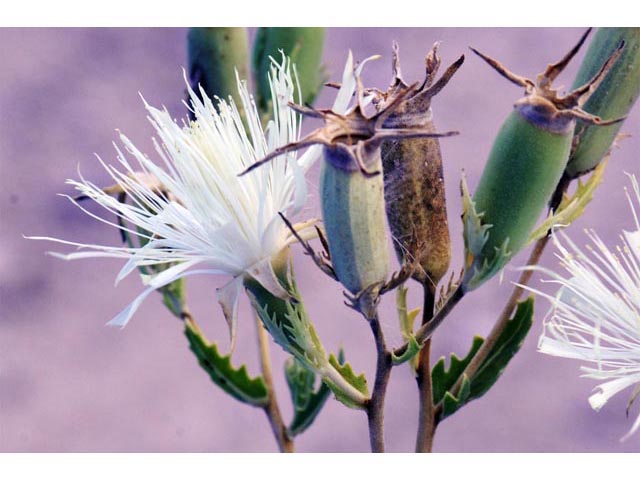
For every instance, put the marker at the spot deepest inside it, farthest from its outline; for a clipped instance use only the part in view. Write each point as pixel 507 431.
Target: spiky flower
pixel 595 315
pixel 191 211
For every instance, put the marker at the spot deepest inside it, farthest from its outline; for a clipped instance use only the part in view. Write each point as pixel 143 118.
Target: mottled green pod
pixel 353 216
pixel 614 97
pixel 413 179
pixel 303 45
pixel 527 161
pixel 214 56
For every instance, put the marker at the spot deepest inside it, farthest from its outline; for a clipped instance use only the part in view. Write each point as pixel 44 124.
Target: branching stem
pixel 375 406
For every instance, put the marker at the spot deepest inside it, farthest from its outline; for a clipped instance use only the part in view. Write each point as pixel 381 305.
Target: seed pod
pixel 352 191
pixel 614 97
pixel 303 45
pixel 214 56
pixel 525 165
pixel 353 212
pixel 413 181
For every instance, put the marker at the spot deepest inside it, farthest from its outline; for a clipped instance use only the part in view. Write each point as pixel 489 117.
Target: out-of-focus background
pixel 70 384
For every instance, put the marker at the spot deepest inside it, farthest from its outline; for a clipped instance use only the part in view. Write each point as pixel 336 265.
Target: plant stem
pixel 492 338
pixel 426 418
pixel 375 406
pixel 426 330
pixel 271 409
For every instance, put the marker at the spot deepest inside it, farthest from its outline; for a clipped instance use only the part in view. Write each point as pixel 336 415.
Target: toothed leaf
pixel 307 402
pixel 235 381
pixel 571 208
pixel 507 345
pixel 478 268
pixel 451 404
pixel 359 382
pixel 443 379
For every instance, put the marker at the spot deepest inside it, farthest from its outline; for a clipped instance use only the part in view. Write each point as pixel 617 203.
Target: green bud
pixel 413 179
pixel 527 160
pixel 303 45
pixel 214 56
pixel 614 97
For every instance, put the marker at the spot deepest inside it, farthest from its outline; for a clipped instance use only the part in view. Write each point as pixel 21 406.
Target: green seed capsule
pixel 525 165
pixel 214 56
pixel 413 180
pixel 614 97
pixel 353 213
pixel 303 45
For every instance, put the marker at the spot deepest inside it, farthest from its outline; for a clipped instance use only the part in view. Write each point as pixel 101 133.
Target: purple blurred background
pixel 70 384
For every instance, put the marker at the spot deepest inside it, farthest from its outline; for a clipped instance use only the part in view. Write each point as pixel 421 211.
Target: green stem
pixel 426 420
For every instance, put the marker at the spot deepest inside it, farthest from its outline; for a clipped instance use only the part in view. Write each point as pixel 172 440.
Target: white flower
pixel 198 212
pixel 595 314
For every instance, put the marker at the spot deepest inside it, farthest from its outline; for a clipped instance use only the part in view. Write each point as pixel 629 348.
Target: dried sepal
pixel 544 105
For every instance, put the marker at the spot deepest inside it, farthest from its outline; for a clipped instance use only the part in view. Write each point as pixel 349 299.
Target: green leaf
pixel 173 297
pixel 359 382
pixel 478 268
pixel 443 379
pixel 235 381
pixel 287 322
pixel 407 318
pixel 290 327
pixel 413 347
pixel 571 208
pixel 451 404
pixel 507 345
pixel 307 402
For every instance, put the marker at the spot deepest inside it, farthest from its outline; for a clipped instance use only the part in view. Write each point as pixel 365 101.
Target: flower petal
pixel 229 298
pixel 606 390
pixel 263 272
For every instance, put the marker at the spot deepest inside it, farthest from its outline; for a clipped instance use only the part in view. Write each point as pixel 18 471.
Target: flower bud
pixel 303 45
pixel 614 97
pixel 214 56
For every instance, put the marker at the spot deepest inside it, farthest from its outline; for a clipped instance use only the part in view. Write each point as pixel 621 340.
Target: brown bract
pixel 543 105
